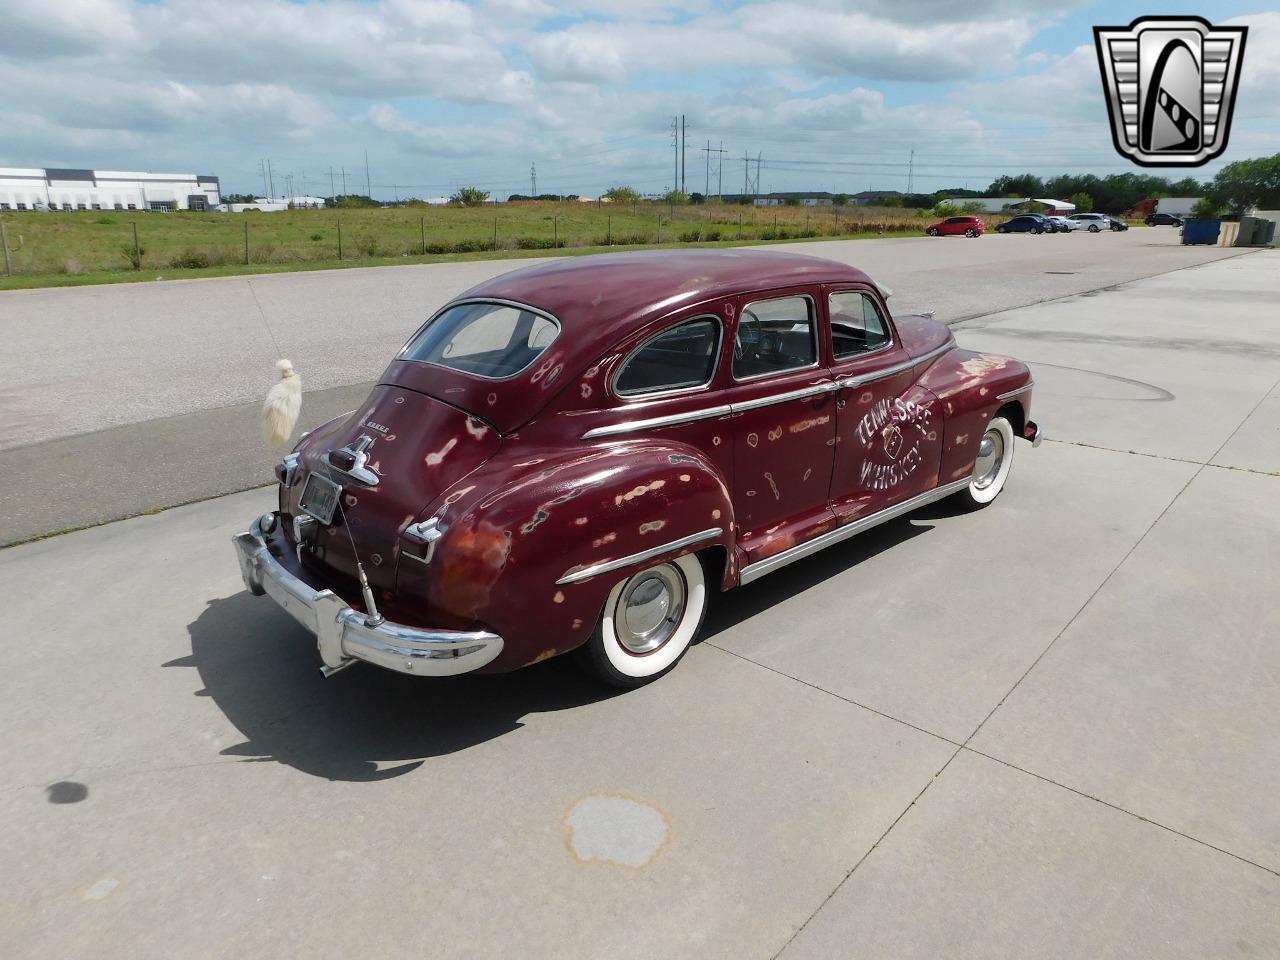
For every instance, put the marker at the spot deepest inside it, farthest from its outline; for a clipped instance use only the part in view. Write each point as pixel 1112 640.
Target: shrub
pixel 190 259
pixel 472 246
pixel 470 197
pixel 438 247
pixel 133 257
pixel 691 236
pixel 622 195
pixel 317 237
pixel 713 234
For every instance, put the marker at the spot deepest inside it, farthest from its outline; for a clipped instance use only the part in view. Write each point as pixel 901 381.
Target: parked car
pixel 1063 224
pixel 1093 222
pixel 576 455
pixel 965 226
pixel 1163 220
pixel 1026 223
pixel 1117 225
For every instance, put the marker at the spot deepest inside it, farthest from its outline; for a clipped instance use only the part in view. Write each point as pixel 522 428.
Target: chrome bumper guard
pixel 343 635
pixel 1032 433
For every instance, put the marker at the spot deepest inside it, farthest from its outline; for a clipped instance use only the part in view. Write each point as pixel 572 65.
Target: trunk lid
pixel 417 448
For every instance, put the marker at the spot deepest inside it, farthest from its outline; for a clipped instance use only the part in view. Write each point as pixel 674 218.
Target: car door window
pixel 857 325
pixel 678 358
pixel 773 336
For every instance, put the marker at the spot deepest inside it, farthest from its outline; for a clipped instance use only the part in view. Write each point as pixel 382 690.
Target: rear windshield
pixel 491 340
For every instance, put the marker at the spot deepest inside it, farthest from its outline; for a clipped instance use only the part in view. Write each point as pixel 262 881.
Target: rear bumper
pixel 343 634
pixel 1032 432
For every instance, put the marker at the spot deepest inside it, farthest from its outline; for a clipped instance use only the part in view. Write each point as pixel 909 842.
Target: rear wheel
pixel 933 231
pixel 1094 228
pixel 970 232
pixel 1035 230
pixel 990 467
pixel 648 622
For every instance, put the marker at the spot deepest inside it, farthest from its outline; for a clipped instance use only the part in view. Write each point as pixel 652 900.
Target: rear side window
pixel 491 340
pixel 679 358
pixel 774 336
pixel 857 325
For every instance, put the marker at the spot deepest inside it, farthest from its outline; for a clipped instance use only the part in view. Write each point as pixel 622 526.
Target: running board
pixel 754 571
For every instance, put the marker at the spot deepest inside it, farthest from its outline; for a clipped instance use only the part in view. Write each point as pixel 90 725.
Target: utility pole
pixel 331 191
pixel 720 175
pixel 911 172
pixel 746 173
pixel 262 169
pixel 368 185
pixel 683 183
pixel 707 151
pixel 675 146
pixel 344 184
pixel 757 174
pixel 533 181
pixel 271 182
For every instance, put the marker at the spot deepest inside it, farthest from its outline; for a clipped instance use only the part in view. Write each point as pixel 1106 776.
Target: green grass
pixel 91 247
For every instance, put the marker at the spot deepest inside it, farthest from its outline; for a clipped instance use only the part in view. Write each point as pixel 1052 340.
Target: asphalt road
pixel 121 399
pixel 1046 729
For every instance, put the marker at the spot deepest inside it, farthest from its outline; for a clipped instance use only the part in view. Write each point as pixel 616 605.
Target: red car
pixel 965 226
pixel 576 455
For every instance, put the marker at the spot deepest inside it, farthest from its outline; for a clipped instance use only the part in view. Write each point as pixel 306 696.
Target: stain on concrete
pixel 66 791
pixel 613 828
pixel 102 889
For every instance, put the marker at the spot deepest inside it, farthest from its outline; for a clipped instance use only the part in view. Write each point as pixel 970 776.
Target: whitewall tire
pixel 991 465
pixel 648 622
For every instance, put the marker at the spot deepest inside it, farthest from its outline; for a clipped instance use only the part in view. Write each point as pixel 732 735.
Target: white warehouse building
pixel 55 189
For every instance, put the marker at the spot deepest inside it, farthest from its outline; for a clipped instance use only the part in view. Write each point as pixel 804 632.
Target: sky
pixel 440 93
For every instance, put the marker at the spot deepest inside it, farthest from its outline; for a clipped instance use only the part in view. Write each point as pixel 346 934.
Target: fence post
pixel 608 231
pixel 137 253
pixel 775 223
pixel 495 228
pixel 246 242
pixel 659 229
pixel 423 225
pixel 339 219
pixel 739 225
pixel 806 221
pixel 555 232
pixel 4 241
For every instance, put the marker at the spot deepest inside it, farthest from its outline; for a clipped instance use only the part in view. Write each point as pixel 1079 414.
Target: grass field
pixel 54 249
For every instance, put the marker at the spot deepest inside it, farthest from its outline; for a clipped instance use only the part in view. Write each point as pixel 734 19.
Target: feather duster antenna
pixel 283 403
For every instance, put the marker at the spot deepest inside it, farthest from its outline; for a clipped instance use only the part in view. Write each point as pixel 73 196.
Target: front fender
pixel 524 528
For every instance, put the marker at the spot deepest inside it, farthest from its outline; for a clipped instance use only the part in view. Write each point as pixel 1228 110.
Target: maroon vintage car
pixel 572 456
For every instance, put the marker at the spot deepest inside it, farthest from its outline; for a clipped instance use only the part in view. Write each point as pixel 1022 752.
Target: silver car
pixel 1093 222
pixel 1065 224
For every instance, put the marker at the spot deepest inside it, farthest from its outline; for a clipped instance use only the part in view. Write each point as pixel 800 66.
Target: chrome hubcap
pixel 990 456
pixel 650 609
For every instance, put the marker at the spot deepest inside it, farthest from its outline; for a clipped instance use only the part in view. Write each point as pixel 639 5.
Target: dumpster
pixel 1200 231
pixel 1265 233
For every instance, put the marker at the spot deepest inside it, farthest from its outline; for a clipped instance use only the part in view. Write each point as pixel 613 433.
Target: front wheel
pixel 991 467
pixel 1094 228
pixel 970 233
pixel 648 622
pixel 1035 229
pixel 932 231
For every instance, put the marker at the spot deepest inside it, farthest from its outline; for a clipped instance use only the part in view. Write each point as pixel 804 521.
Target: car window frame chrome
pixel 627 398
pixel 497 301
pixel 817 343
pixel 884 316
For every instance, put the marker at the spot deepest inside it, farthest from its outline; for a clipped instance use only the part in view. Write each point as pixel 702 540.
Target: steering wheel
pixel 738 350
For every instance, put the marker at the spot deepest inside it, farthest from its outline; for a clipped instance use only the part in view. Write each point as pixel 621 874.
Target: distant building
pixel 1177 206
pixel 61 189
pixel 802 198
pixel 997 204
pixel 875 198
pixel 275 204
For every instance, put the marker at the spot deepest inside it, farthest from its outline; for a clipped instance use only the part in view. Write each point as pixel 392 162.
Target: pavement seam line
pixel 832 693
pixel 1160 456
pixel 1120 809
pixel 1123 560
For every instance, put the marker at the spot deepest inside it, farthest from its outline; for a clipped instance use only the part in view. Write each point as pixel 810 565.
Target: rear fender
pixel 520 533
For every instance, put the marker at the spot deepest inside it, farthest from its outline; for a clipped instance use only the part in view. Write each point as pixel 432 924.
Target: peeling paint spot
pixel 586 390
pixel 435 459
pixel 399 399
pixel 476 428
pixel 775 433
pixel 715 441
pixel 752 439
pixel 807 473
pixel 615 829
pixel 492 398
pixel 577 623
pixel 581 521
pixel 375 559
pixel 638 491
pixel 592 372
pixel 457 495
pixel 652 525
pixel 773 486
pixel 544 655
pixel 685 478
pixel 538 518
pixel 809 424
pixel 389 437
pixel 715 514
pixel 559 597
pixel 751 493
pixel 601 541
pixel 678 458
pixel 349 500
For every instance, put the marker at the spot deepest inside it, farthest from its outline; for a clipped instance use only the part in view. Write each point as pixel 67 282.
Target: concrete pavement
pixel 157 385
pixel 1046 729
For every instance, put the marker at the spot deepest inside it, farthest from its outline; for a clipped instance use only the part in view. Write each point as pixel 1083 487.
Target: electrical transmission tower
pixel 533 180
pixel 721 151
pixel 682 159
pixel 911 172
pixel 750 186
pixel 675 146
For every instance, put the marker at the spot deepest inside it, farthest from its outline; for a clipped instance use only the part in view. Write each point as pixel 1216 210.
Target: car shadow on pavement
pixel 739 605
pixel 364 724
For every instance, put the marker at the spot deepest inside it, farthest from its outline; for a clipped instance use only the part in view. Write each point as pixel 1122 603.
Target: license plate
pixel 320 498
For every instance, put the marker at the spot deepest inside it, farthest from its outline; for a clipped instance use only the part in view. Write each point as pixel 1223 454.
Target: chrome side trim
pixel 754 571
pixel 811 391
pixel 653 423
pixel 1014 393
pixel 846 383
pixel 586 573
